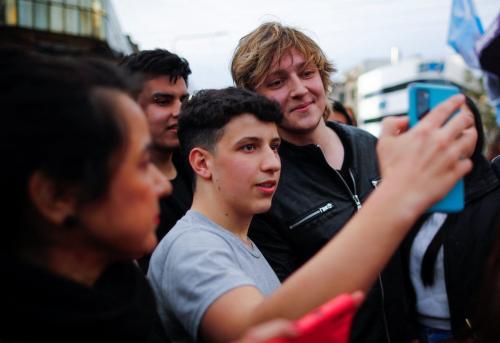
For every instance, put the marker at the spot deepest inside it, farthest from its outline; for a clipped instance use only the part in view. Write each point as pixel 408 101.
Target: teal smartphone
pixel 423 97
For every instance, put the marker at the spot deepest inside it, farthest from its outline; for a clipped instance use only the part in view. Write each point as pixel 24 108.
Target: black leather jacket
pixel 312 203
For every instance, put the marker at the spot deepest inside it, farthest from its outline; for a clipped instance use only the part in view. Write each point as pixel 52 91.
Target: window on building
pixel 86 18
pixel 56 17
pixel 25 12
pixel 41 15
pixel 72 17
pixel 10 9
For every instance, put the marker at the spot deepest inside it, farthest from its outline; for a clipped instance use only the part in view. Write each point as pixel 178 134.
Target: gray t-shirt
pixel 197 262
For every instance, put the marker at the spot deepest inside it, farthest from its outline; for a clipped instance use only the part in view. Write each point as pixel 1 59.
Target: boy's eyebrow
pixel 162 94
pixel 251 139
pixel 299 66
pixel 248 139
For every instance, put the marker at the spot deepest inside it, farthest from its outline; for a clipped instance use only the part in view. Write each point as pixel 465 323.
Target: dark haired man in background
pixel 164 77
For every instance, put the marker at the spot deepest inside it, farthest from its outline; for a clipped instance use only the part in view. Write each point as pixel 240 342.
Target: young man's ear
pixel 199 159
pixel 55 206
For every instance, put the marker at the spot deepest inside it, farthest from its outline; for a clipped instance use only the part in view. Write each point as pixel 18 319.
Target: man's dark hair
pixel 154 63
pixel 339 108
pixel 59 117
pixel 204 116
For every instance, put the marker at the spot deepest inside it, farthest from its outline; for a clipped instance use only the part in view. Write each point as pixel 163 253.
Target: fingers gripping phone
pixel 330 322
pixel 423 98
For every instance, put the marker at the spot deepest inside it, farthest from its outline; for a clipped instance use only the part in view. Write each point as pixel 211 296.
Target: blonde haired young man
pixel 328 169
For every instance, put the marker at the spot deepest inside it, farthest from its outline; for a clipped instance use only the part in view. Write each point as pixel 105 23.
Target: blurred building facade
pixel 345 90
pixel 378 88
pixel 75 27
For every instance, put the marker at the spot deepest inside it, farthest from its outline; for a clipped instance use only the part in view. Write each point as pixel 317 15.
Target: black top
pixel 312 202
pixel 174 206
pixel 467 238
pixel 39 306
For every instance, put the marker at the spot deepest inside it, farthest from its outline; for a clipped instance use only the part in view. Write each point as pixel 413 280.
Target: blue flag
pixel 465 29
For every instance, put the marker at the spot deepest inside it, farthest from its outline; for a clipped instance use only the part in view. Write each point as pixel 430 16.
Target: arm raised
pixel 418 167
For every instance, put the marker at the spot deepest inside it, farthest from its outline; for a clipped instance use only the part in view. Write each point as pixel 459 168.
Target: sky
pixel 206 32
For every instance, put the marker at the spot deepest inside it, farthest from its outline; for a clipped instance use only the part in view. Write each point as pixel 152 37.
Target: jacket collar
pixel 481 180
pixel 290 149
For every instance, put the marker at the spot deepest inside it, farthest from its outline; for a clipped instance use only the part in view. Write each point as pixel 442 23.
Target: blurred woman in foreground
pixel 81 197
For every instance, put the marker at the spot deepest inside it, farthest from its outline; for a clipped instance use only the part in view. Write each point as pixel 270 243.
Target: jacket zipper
pixel 357 202
pixel 384 316
pixel 320 210
pixel 354 196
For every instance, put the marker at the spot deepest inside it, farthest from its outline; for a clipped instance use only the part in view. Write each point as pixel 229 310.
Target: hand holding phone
pixel 330 322
pixel 423 98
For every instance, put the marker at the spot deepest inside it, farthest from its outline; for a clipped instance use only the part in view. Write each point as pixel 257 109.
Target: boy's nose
pixel 271 162
pixel 177 108
pixel 297 87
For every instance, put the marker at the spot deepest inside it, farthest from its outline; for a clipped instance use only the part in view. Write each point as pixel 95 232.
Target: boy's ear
pixel 55 206
pixel 199 159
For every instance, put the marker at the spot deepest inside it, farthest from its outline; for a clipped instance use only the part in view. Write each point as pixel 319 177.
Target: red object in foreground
pixel 330 322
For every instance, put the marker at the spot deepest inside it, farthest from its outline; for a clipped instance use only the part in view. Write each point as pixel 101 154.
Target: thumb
pixel 393 126
pixel 358 297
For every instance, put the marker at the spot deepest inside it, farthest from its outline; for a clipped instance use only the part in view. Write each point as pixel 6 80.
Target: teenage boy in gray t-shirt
pixel 213 261
pixel 210 280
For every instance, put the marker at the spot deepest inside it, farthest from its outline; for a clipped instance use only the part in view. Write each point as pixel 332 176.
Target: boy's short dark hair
pixel 158 62
pixel 204 116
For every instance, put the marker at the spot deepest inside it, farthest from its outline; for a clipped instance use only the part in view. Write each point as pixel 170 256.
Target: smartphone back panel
pixel 423 98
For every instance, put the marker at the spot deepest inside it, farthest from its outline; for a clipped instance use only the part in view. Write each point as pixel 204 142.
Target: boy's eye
pixel 273 84
pixel 162 100
pixel 308 73
pixel 248 147
pixel 275 146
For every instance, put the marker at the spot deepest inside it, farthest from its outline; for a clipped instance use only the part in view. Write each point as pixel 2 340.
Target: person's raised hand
pixel 427 160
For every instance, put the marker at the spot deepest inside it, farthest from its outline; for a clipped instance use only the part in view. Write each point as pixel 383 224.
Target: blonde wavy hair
pixel 260 49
